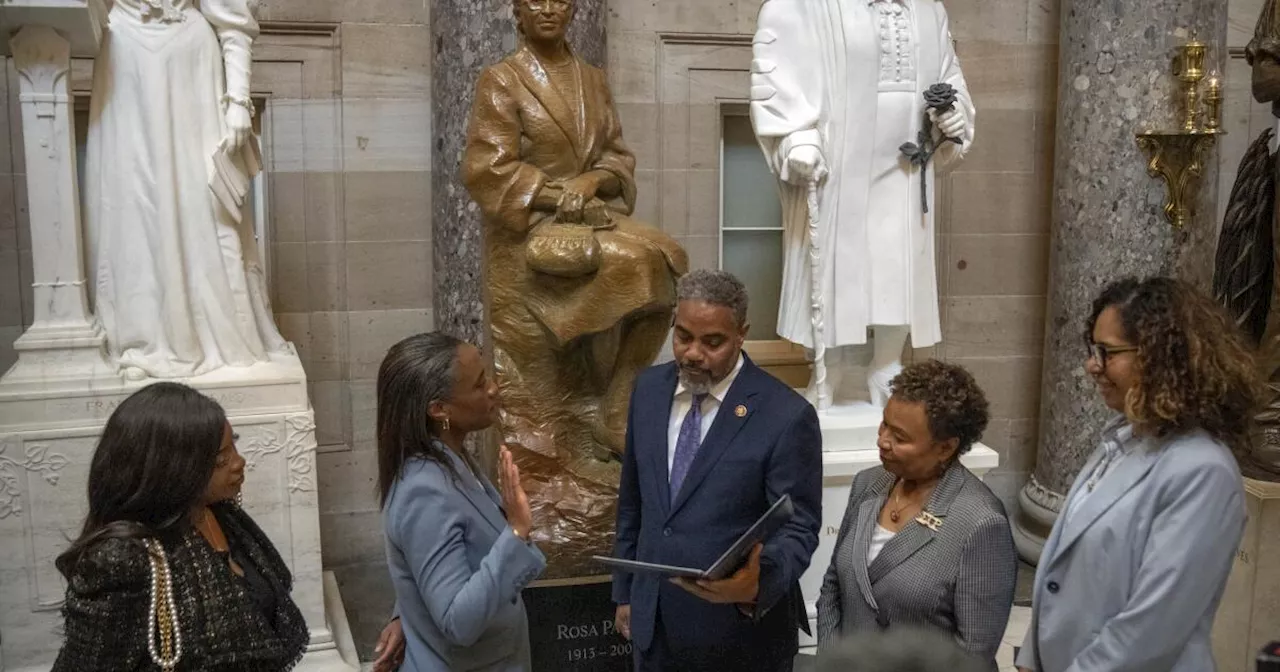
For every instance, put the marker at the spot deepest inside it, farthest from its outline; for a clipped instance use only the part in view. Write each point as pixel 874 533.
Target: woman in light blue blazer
pixel 1131 576
pixel 458 551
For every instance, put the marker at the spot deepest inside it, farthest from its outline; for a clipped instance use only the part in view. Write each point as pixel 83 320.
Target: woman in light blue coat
pixel 458 551
pixel 1133 571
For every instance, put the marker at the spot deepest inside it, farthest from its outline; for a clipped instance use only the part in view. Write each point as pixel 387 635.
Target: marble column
pixel 469 35
pixel 1114 81
pixel 587 34
pixel 65 338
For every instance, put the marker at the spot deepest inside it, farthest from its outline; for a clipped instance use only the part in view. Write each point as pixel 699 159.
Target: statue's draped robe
pixel 174 277
pixel 525 132
pixel 815 80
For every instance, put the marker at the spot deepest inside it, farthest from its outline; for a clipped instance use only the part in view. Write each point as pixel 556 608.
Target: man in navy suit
pixel 712 442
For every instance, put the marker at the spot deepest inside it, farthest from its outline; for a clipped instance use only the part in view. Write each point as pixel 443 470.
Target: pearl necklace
pixel 163 614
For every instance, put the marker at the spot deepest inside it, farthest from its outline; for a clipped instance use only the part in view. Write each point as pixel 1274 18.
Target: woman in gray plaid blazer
pixel 924 542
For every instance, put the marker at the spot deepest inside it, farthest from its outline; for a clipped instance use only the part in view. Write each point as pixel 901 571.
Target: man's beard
pixel 697 381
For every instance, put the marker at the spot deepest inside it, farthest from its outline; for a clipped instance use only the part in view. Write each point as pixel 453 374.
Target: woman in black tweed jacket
pixel 161 490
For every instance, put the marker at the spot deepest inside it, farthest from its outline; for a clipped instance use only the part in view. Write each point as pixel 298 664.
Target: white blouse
pixel 878 539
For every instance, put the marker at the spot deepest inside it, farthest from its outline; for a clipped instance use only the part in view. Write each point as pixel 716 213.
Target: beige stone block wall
pixel 674 63
pixel 15 236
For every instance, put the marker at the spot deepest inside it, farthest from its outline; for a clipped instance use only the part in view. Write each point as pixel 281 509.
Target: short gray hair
pixel 718 288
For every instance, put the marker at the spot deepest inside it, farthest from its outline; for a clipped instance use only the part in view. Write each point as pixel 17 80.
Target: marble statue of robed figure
pixel 172 262
pixel 837 89
pixel 580 294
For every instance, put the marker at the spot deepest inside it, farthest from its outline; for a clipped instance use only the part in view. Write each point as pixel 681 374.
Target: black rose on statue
pixel 940 97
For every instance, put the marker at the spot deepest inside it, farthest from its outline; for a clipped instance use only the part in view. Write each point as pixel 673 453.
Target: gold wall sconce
pixel 1177 156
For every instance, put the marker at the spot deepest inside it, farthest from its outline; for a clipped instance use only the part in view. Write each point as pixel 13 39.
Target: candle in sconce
pixel 1213 103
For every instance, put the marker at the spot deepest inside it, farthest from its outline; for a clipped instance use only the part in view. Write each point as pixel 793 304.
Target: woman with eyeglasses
pixel 1133 571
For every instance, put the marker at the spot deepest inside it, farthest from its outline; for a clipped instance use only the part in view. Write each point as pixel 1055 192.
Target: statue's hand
pixel 596 214
pixel 577 192
pixel 951 123
pixel 239 127
pixel 804 164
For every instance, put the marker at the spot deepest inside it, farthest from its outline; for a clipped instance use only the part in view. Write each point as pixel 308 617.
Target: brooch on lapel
pixel 740 411
pixel 929 520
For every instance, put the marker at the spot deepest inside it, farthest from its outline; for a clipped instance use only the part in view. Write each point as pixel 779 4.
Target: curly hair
pixel 1194 369
pixel 953 403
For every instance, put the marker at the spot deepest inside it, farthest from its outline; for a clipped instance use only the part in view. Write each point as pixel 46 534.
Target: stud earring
pixel 446 424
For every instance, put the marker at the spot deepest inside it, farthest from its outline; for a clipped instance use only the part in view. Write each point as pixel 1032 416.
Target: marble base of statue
pixel 1249 615
pixel 571 626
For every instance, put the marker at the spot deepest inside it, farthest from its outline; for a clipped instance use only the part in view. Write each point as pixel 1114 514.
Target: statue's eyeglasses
pixel 539 5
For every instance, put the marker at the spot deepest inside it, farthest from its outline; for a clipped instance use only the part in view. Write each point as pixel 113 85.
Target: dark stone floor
pixel 1026 580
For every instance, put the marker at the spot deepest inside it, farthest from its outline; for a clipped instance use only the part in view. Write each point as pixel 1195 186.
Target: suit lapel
pixel 477 494
pixel 868 514
pixel 534 77
pixel 726 426
pixel 915 536
pixel 652 422
pixel 1122 478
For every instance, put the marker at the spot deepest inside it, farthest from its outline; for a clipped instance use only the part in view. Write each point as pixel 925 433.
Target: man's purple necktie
pixel 687 443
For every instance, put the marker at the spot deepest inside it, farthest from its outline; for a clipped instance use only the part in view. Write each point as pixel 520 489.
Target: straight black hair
pixel 151 467
pixel 417 371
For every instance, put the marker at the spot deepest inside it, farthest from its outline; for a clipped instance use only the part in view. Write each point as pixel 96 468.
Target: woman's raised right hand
pixel 514 500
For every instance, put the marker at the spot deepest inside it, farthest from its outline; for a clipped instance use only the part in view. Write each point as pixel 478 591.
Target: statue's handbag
pixel 564 250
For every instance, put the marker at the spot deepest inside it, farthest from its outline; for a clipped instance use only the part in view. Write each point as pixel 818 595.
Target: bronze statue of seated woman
pixel 580 294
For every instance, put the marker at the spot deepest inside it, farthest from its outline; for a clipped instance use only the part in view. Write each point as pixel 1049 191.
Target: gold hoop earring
pixel 445 424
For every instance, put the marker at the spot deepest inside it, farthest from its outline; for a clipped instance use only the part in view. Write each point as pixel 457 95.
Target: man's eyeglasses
pixel 1101 353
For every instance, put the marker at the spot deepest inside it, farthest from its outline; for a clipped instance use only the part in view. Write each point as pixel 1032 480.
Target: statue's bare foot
pixel 133 373
pixel 878 383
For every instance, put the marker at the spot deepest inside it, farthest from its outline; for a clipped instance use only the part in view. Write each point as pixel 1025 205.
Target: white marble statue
pixel 172 262
pixel 837 87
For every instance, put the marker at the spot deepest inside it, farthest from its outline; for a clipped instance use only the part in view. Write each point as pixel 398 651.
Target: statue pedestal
pixel 571 626
pixel 848 447
pixel 47 438
pixel 1249 614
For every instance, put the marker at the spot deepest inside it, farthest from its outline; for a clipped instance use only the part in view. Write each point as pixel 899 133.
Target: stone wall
pixel 674 63
pixel 16 312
